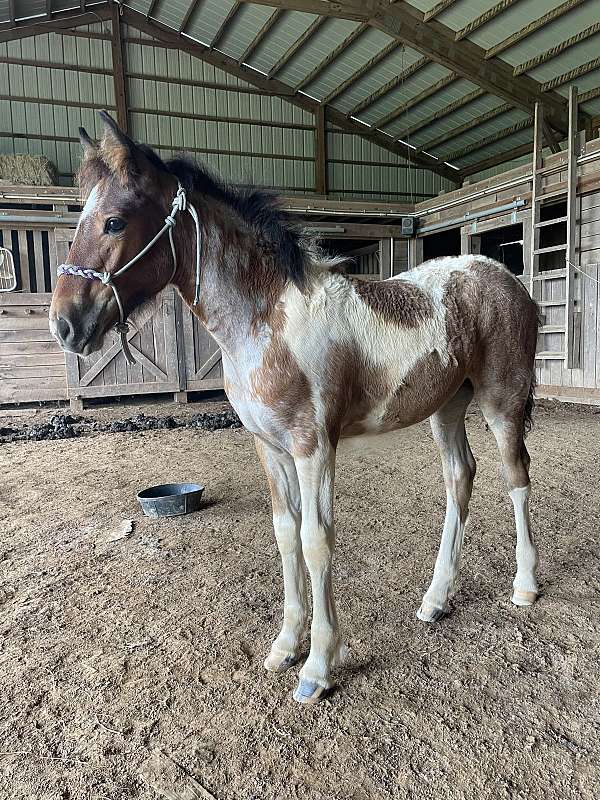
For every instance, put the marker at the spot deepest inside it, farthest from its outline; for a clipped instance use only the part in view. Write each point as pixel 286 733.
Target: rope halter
pixel 180 203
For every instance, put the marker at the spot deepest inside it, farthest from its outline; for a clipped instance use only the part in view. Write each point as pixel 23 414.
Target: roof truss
pixel 276 87
pixel 396 81
pixel 57 21
pixel 331 57
pixel 437 42
pixel 534 26
pixel 256 40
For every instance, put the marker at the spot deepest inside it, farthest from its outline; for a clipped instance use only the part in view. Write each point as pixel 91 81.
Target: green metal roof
pixel 450 115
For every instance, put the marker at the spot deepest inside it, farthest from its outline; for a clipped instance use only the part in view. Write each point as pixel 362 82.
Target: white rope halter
pixel 180 203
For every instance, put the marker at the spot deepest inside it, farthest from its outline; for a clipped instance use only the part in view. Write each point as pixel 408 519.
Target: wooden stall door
pixel 154 347
pixel 203 362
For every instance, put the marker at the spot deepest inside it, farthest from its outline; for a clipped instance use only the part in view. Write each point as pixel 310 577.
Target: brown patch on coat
pixel 277 501
pixel 398 302
pixel 426 387
pixel 492 328
pixel 354 387
pixel 282 386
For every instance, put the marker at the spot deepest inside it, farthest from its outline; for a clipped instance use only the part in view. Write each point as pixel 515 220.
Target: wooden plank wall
pixel 583 383
pixel 32 365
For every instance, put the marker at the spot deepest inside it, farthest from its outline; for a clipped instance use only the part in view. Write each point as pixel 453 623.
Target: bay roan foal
pixel 309 356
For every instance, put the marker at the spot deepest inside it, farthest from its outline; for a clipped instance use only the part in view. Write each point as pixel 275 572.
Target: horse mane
pixel 260 208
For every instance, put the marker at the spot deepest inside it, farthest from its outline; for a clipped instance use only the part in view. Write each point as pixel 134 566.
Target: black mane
pixel 258 207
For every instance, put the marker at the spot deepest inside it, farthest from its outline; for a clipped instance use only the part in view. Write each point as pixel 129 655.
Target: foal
pixel 309 356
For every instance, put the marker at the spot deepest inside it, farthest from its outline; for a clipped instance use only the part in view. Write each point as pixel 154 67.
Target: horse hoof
pixel 279 662
pixel 309 693
pixel 521 598
pixel 428 613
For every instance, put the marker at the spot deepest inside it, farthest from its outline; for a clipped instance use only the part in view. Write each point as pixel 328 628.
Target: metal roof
pixel 431 91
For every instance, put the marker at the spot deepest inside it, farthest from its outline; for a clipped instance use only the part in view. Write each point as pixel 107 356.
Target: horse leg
pixel 316 476
pixel 507 427
pixel 285 497
pixel 458 464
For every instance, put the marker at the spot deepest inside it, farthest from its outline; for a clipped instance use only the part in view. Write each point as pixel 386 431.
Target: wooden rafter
pixel 68 19
pixel 256 40
pixel 364 70
pixel 498 158
pixel 559 48
pixel 331 57
pixel 467 126
pixel 436 87
pixel 491 139
pixel 436 41
pixel 188 15
pixel 438 9
pixel 273 86
pixel 424 122
pixel 152 9
pixel 592 94
pixel 300 42
pixel 533 26
pixel 571 75
pixel 389 86
pixel 483 19
pixel 225 24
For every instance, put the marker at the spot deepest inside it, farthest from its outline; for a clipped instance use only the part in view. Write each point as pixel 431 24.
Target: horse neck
pixel 239 285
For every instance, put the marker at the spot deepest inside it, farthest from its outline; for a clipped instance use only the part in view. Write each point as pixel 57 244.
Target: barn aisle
pixel 114 648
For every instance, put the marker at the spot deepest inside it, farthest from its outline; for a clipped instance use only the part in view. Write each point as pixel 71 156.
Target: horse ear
pixel 117 150
pixel 92 167
pixel 90 147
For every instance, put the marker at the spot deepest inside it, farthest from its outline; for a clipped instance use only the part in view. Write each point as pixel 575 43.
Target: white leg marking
pixel 525 584
pixel 448 427
pixel 445 573
pixel 316 477
pixel 285 494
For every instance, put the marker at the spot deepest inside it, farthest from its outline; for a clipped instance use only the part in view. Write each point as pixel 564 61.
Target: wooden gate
pixel 202 356
pixel 154 347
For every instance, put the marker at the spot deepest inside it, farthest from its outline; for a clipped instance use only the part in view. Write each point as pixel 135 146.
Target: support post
pixel 320 151
pixel 385 265
pixel 118 63
pixel 572 357
pixel 538 133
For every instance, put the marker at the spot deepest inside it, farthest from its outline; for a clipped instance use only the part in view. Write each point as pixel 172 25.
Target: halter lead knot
pixel 179 203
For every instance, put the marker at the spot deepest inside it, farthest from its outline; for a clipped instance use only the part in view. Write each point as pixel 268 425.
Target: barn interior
pixel 393 132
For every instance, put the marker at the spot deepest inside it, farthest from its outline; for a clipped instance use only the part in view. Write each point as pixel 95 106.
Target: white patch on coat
pixel 89 207
pixel 335 313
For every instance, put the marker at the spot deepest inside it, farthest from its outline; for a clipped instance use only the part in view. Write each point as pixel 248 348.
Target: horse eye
pixel 114 225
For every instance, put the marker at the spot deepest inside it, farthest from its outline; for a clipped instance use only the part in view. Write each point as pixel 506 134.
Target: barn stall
pixel 131 647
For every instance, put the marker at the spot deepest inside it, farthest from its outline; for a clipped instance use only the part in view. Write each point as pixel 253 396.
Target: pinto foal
pixel 310 356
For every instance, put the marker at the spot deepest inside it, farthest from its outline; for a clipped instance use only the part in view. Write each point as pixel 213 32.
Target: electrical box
pixel 409 226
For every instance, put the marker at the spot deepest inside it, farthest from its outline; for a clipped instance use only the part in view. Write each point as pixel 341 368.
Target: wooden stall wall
pixel 32 365
pixel 583 382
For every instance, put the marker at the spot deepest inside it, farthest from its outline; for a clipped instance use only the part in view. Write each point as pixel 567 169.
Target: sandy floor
pixel 112 651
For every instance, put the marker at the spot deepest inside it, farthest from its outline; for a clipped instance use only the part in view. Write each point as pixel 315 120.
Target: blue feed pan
pixel 170 499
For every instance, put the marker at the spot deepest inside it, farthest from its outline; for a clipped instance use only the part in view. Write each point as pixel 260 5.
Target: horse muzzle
pixel 74 334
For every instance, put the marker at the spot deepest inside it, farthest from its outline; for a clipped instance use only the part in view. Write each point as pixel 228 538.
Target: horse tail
pixel 529 406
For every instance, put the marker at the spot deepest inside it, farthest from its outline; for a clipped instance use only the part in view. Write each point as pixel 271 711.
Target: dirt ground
pixel 132 667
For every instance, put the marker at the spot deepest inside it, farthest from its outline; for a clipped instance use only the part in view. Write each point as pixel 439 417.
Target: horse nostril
pixel 64 329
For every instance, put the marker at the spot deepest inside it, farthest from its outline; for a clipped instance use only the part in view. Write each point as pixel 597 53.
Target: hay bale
pixel 28 170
